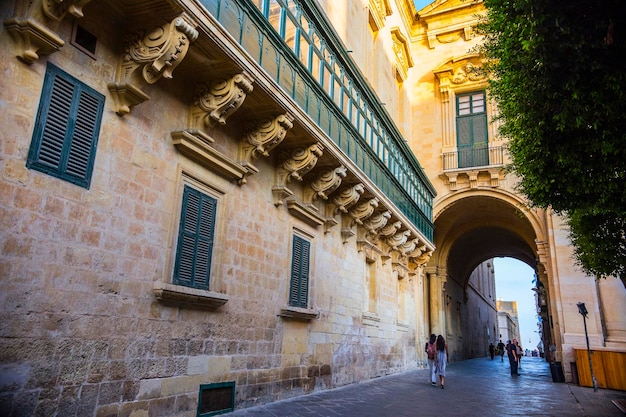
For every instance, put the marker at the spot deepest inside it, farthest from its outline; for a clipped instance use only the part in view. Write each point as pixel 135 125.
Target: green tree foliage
pixel 558 71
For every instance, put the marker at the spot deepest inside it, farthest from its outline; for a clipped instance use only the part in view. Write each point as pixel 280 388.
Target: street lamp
pixel 583 312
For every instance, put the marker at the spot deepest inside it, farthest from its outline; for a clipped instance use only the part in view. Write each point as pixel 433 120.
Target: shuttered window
pixel 299 285
pixel 66 129
pixel 471 127
pixel 195 239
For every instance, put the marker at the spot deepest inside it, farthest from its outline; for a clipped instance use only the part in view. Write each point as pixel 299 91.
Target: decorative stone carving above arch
pixel 262 136
pixel 217 100
pixel 147 58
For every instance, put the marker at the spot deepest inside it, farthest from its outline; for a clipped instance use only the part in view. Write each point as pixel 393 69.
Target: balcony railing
pixel 477 157
pixel 297 47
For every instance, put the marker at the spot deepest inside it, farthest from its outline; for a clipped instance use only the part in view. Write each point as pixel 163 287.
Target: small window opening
pixel 216 399
pixel 84 40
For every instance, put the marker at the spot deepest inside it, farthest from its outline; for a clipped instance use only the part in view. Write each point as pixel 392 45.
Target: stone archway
pixel 472 227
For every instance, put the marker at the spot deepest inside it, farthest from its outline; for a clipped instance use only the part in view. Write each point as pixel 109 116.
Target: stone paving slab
pixel 473 388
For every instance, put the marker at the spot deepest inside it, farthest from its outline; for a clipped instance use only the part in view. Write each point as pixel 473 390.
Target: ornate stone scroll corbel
pixel 149 57
pixel 262 136
pixel 216 100
pixel 376 222
pixel 294 164
pixel 390 229
pixel 347 197
pixel 327 181
pixel 399 239
pixel 33 39
pixel 363 210
pixel 58 9
pixel 297 162
pixel 408 247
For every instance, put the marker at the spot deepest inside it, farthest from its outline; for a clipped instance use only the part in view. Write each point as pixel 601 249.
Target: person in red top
pixel 430 350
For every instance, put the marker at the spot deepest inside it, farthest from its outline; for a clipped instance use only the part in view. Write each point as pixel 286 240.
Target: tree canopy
pixel 558 76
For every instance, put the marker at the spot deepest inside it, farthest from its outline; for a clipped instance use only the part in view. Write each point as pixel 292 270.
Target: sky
pixel 514 280
pixel 420 4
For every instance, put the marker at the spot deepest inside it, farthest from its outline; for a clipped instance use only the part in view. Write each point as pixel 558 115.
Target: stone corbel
pixel 216 100
pixel 408 247
pixel 423 259
pixel 374 223
pixel 399 264
pixel 365 244
pixel 58 9
pixel 363 210
pixel 347 197
pixel 495 177
pixel 262 136
pixel 347 229
pixel 297 162
pixel 331 221
pixel 398 239
pixel 473 179
pixel 149 57
pixel 33 39
pixel 327 181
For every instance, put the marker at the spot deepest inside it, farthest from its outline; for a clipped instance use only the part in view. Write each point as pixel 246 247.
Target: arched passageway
pixel 471 229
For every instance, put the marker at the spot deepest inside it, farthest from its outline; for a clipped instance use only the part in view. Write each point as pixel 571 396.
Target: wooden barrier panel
pixel 609 368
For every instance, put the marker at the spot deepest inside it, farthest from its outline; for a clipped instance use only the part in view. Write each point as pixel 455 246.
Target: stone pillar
pixel 437 316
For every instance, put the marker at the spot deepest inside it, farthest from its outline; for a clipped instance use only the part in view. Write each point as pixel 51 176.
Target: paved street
pixel 477 387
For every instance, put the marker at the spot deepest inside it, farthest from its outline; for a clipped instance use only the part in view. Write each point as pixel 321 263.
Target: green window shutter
pixel 299 285
pixel 195 239
pixel 471 124
pixel 66 130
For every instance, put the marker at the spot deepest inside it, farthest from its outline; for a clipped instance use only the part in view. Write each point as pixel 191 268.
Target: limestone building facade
pixel 210 204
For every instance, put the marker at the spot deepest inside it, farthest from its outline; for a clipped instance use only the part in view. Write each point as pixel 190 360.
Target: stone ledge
pixel 169 293
pixel 298 313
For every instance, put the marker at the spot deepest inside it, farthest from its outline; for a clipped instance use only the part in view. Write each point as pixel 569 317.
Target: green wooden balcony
pixel 297 47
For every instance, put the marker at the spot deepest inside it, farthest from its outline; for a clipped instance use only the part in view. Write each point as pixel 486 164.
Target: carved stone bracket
pixel 366 245
pixel 263 136
pixel 363 210
pixel 347 228
pixel 156 54
pixel 33 39
pixel 58 9
pixel 398 239
pixel 390 229
pixel 196 145
pixel 376 222
pixel 408 247
pixel 297 162
pixel 327 181
pixel 215 101
pixel 347 197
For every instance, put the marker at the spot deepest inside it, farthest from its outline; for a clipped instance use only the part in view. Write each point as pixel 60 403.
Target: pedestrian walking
pixel 441 359
pixel 501 350
pixel 511 351
pixel 431 351
pixel 519 352
pixel 492 350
